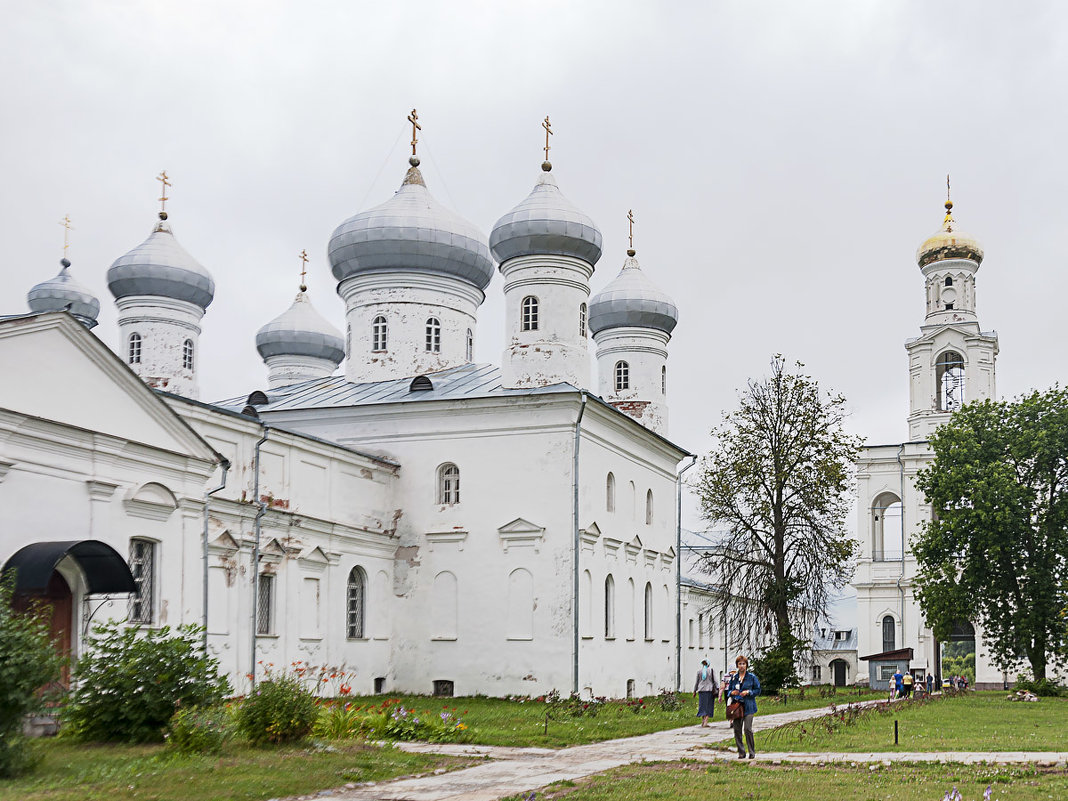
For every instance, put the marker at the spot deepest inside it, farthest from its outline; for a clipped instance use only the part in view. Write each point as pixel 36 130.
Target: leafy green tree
pixel 779 481
pixel 28 662
pixel 997 548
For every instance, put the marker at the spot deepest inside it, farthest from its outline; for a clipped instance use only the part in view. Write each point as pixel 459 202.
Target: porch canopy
pixel 104 568
pixel 899 655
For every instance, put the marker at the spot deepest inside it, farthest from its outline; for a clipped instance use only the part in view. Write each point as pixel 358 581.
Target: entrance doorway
pixel 56 606
pixel 838 667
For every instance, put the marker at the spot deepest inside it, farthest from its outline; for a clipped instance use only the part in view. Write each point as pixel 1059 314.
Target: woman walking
pixel 744 687
pixel 705 688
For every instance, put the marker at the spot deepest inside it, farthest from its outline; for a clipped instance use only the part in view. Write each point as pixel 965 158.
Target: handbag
pixel 735 710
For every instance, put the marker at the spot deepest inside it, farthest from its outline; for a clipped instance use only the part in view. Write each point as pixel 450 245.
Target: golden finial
pixel 630 237
pixel 67 228
pixel 413 118
pixel 303 269
pixel 548 126
pixel 949 205
pixel 164 183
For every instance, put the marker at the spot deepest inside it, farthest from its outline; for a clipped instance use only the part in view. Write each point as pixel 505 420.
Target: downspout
pixel 260 512
pixel 678 573
pixel 575 523
pixel 225 465
pixel 901 576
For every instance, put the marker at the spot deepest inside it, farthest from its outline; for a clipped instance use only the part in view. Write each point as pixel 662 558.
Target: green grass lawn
pixel 495 721
pixel 691 781
pixel 74 772
pixel 972 722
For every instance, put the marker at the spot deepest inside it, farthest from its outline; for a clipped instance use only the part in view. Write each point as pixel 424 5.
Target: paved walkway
pixel 510 771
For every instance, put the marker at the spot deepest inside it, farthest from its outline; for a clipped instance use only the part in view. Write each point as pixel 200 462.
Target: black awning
pixel 104 568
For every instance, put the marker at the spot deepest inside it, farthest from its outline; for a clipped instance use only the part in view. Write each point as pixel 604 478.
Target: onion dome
pixel 949 243
pixel 631 300
pixel 301 331
pixel 546 222
pixel 161 267
pixel 410 232
pixel 63 293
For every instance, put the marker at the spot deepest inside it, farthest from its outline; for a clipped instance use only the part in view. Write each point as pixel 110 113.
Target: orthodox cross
pixel 413 119
pixel 548 126
pixel 67 228
pixel 630 220
pixel 949 203
pixel 303 269
pixel 164 183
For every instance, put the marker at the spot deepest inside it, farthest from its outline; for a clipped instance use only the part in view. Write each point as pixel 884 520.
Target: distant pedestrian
pixel 897 684
pixel 906 684
pixel 705 690
pixel 930 684
pixel 744 687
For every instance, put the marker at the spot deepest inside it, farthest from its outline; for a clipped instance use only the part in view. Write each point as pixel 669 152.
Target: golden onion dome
pixel 949 243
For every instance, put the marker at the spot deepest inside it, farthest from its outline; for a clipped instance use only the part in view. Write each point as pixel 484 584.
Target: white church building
pixel 427 523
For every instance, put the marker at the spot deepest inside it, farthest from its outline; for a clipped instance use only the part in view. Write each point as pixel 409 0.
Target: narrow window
pixel 265 604
pixel 143 568
pixel 582 320
pixel 610 493
pixel 187 354
pixel 949 280
pixel 648 507
pixel 135 348
pixel 889 633
pixel 609 608
pixel 949 307
pixel 648 611
pixel 448 484
pixel 622 376
pixel 949 379
pixel 379 334
pixel 355 603
pixel 530 313
pixel 663 381
pixel 470 346
pixel 433 335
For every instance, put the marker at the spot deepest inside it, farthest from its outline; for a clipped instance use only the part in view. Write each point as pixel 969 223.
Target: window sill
pixel 587 636
pixel 519 639
pixel 316 638
pixel 266 636
pixel 356 639
pixel 609 639
pixel 443 639
pixel 650 639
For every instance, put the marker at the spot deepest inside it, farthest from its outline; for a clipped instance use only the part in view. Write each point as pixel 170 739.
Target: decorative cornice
pixel 455 536
pixel 521 533
pixel 5 466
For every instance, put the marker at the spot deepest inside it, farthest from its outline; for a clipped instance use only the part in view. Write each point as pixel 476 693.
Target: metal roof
pixel 63 293
pixel 632 300
pixel 160 266
pixel 301 331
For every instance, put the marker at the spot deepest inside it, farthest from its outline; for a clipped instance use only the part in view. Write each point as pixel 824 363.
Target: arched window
pixel 609 608
pixel 949 280
pixel 470 346
pixel 663 381
pixel 448 484
pixel 622 376
pixel 187 354
pixel 949 378
pixel 610 493
pixel 583 313
pixel 433 335
pixel 887 542
pixel 648 610
pixel 530 313
pixel 379 334
pixel 648 507
pixel 135 348
pixel 889 633
pixel 356 604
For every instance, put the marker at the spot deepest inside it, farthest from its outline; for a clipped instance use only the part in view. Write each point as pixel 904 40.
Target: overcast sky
pixel 783 160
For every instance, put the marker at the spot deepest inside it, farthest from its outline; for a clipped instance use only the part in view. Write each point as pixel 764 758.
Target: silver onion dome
pixel 160 266
pixel 63 293
pixel 301 331
pixel 546 222
pixel 631 300
pixel 410 232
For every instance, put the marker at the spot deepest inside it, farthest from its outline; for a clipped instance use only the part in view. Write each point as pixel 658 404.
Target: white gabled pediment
pixel 151 501
pixel 521 526
pixel 314 555
pixel 272 551
pixel 224 543
pixel 57 370
pixel 521 533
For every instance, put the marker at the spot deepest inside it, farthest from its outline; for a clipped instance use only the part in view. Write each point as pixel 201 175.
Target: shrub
pixel 280 710
pixel 775 667
pixel 339 722
pixel 28 662
pixel 200 730
pixel 1042 688
pixel 130 682
pixel 669 700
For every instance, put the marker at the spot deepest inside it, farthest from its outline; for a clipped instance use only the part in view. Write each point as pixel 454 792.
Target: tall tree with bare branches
pixel 778 483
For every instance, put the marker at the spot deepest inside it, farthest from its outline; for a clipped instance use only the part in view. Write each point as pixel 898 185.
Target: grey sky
pixel 784 160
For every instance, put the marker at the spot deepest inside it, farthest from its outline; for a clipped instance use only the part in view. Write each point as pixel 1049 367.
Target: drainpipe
pixel 578 540
pixel 260 512
pixel 900 589
pixel 678 573
pixel 225 465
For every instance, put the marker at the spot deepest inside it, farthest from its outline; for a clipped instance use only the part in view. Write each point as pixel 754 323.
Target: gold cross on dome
pixel 413 119
pixel 548 126
pixel 67 228
pixel 949 202
pixel 303 268
pixel 164 183
pixel 630 220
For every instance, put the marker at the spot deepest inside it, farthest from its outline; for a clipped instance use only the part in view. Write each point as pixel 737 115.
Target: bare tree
pixel 779 482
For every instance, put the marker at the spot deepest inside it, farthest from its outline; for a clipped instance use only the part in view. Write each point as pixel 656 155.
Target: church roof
pixel 301 331
pixel 161 267
pixel 632 300
pixel 63 293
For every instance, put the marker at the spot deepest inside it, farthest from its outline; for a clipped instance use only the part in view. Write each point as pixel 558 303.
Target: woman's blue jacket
pixel 751 683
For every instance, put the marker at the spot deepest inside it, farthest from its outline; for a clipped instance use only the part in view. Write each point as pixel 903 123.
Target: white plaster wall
pixel 284 370
pixel 164 325
pixel 645 351
pixel 407 300
pixel 557 352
